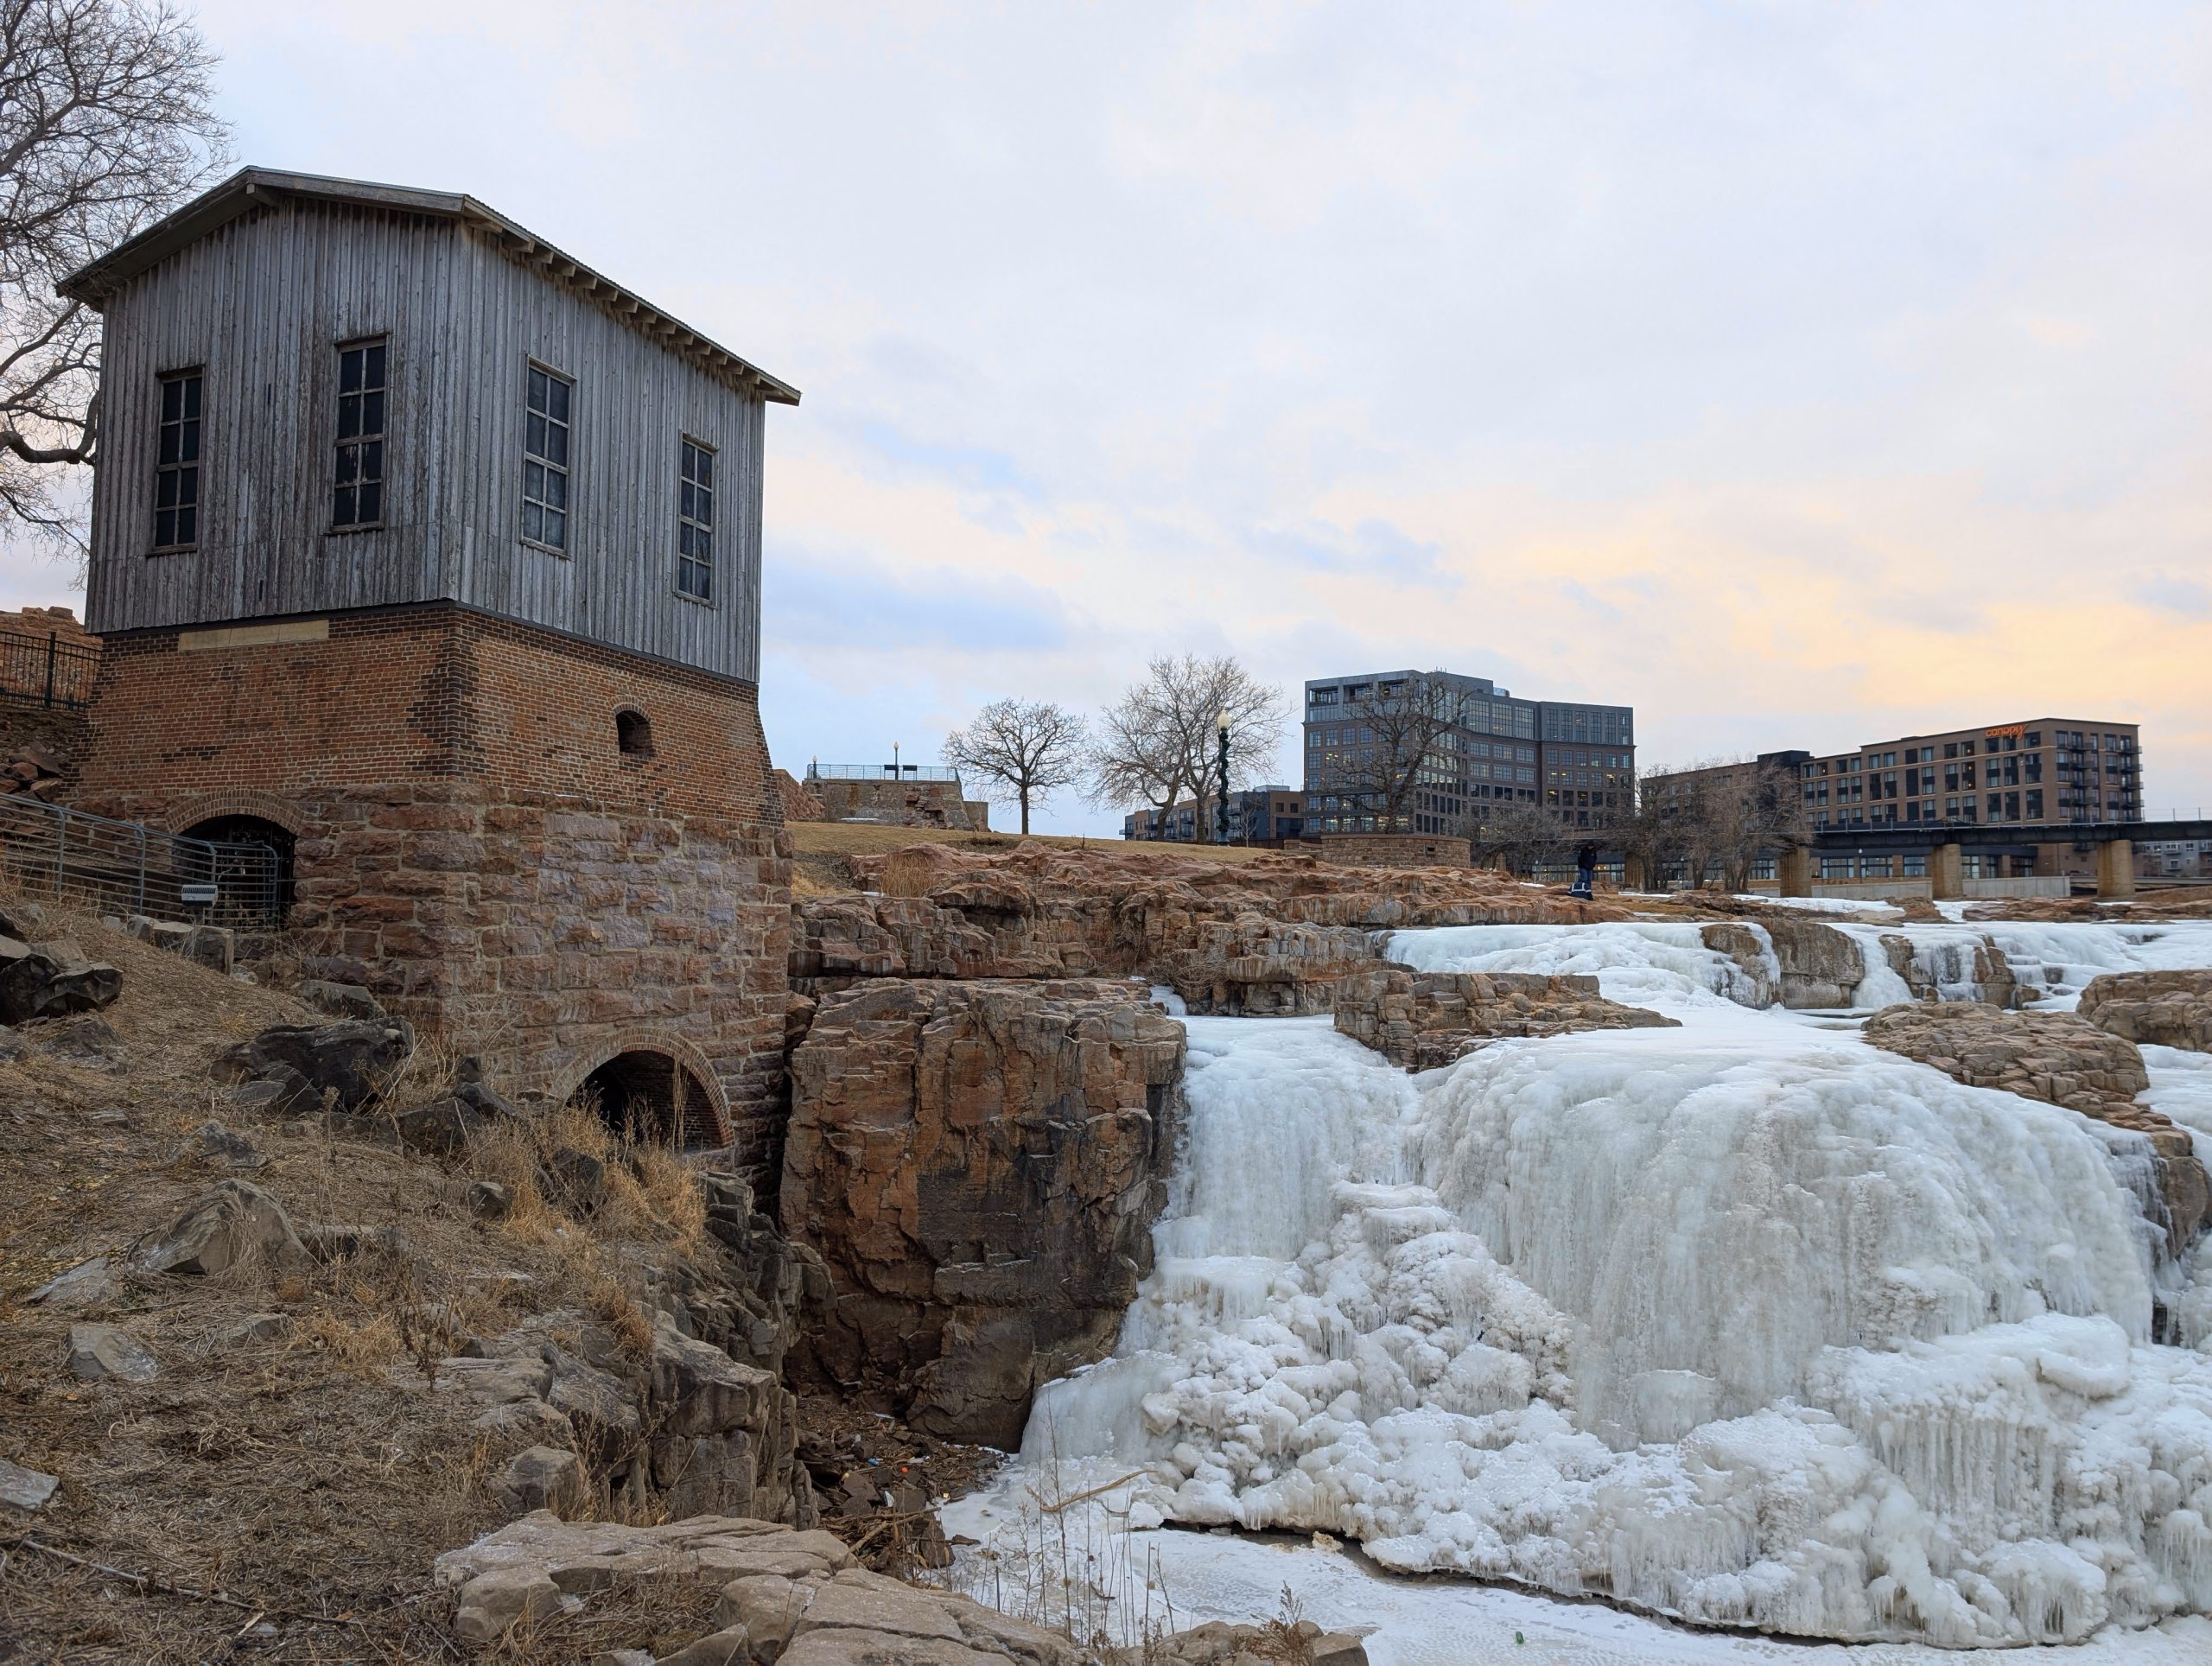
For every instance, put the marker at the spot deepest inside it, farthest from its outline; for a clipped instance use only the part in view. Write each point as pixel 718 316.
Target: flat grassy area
pixel 822 847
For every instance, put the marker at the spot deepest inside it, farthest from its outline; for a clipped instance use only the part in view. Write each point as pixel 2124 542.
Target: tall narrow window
pixel 545 460
pixel 695 528
pixel 176 468
pixel 360 493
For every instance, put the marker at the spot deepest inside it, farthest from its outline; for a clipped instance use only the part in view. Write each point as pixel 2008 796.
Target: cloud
pixel 2175 595
pixel 808 598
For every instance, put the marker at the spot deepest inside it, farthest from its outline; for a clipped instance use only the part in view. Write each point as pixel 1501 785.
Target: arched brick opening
pixel 238 801
pixel 658 1089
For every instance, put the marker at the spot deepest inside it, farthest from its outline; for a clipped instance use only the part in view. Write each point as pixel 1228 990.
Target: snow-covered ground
pixel 1743 1321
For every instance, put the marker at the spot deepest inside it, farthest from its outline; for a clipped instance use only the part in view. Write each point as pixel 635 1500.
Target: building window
pixel 359 497
pixel 545 460
pixel 176 467
pixel 633 735
pixel 695 527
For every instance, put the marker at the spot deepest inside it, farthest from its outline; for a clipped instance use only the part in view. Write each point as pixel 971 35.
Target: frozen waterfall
pixel 1745 1322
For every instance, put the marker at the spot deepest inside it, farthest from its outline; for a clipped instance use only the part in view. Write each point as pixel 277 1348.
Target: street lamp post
pixel 1221 806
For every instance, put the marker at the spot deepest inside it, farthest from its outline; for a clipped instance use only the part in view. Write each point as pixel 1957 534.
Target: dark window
pixel 359 496
pixel 545 460
pixel 634 733
pixel 176 468
pixel 694 526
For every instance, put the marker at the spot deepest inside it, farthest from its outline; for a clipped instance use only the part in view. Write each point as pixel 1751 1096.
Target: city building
pixel 430 557
pixel 1258 815
pixel 2041 771
pixel 1436 752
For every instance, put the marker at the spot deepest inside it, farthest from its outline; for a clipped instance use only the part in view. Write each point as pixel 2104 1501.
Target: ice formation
pixel 1745 1322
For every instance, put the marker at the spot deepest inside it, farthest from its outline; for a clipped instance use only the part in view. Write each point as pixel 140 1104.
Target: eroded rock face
pixel 1270 936
pixel 978 1166
pixel 2159 1009
pixel 2060 1059
pixel 793 1596
pixel 1819 966
pixel 1421 1020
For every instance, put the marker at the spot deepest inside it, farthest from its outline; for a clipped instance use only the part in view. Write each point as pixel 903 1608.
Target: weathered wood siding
pixel 262 306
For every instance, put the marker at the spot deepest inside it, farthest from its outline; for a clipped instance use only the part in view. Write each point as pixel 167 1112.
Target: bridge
pixel 2027 847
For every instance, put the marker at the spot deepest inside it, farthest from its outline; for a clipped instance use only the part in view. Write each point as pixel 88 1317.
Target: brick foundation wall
pixel 472 842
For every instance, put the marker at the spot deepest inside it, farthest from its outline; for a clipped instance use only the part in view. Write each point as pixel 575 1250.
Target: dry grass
pixel 295 1473
pixel 820 849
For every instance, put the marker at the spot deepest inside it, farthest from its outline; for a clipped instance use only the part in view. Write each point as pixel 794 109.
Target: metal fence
pixel 880 772
pixel 44 670
pixel 124 868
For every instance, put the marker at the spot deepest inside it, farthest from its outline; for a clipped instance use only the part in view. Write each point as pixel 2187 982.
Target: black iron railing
pixel 45 670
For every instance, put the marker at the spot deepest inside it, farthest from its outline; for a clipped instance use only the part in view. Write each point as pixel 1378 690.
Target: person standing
pixel 1586 872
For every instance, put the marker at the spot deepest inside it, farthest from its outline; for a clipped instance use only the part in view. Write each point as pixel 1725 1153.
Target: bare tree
pixel 1161 738
pixel 1517 836
pixel 1716 818
pixel 1394 734
pixel 1029 749
pixel 107 121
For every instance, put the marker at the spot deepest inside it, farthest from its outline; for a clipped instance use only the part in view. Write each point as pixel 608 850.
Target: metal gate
pixel 124 868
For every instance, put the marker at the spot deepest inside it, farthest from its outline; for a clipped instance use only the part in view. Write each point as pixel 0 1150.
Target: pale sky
pixel 1801 375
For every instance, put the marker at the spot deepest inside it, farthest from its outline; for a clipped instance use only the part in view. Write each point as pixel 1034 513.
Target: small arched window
pixel 634 733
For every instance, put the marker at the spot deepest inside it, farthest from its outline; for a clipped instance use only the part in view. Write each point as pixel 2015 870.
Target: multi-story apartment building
pixel 2040 771
pixel 1262 814
pixel 1465 744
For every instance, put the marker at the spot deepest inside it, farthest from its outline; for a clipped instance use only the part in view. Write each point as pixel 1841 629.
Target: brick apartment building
pixel 1261 814
pixel 2039 770
pixel 430 556
pixel 1576 760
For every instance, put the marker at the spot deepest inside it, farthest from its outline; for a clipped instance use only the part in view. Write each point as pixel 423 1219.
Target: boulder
pixel 24 1489
pixel 2161 1010
pixel 98 1353
pixel 1420 1020
pixel 977 1166
pixel 442 1127
pixel 791 1597
pixel 231 1225
pixel 257 1328
pixel 2060 1059
pixel 545 1478
pixel 494 1603
pixel 87 1285
pixel 351 1059
pixel 50 980
pixel 211 1142
pixel 213 946
pixel 87 1041
pixel 488 1201
pixel 1217 1642
pixel 352 1001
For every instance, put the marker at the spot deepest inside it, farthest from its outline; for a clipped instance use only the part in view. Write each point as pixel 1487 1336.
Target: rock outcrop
pixel 978 1166
pixel 681 1429
pixel 50 980
pixel 2064 1060
pixel 781 1597
pixel 1268 936
pixel 2159 1009
pixel 1421 1020
pixel 345 1064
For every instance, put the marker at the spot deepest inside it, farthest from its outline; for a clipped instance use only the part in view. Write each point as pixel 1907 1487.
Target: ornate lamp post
pixel 1220 805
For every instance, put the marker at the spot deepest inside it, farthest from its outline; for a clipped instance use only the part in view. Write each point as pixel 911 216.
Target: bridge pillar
pixel 1947 871
pixel 1634 877
pixel 1796 870
pixel 2116 868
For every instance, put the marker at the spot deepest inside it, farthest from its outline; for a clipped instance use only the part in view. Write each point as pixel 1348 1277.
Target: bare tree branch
pixel 107 121
pixel 1160 739
pixel 1031 750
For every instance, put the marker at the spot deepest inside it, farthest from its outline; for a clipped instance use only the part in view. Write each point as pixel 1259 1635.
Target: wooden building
pixel 430 554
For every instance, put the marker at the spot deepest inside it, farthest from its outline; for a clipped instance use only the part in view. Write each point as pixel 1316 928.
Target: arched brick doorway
pixel 655 1098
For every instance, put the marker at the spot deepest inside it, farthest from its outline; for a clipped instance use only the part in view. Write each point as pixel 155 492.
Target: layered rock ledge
pixel 2060 1059
pixel 1421 1020
pixel 2159 1009
pixel 978 1165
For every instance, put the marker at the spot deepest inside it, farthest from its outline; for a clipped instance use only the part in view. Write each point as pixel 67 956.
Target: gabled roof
pixel 254 188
